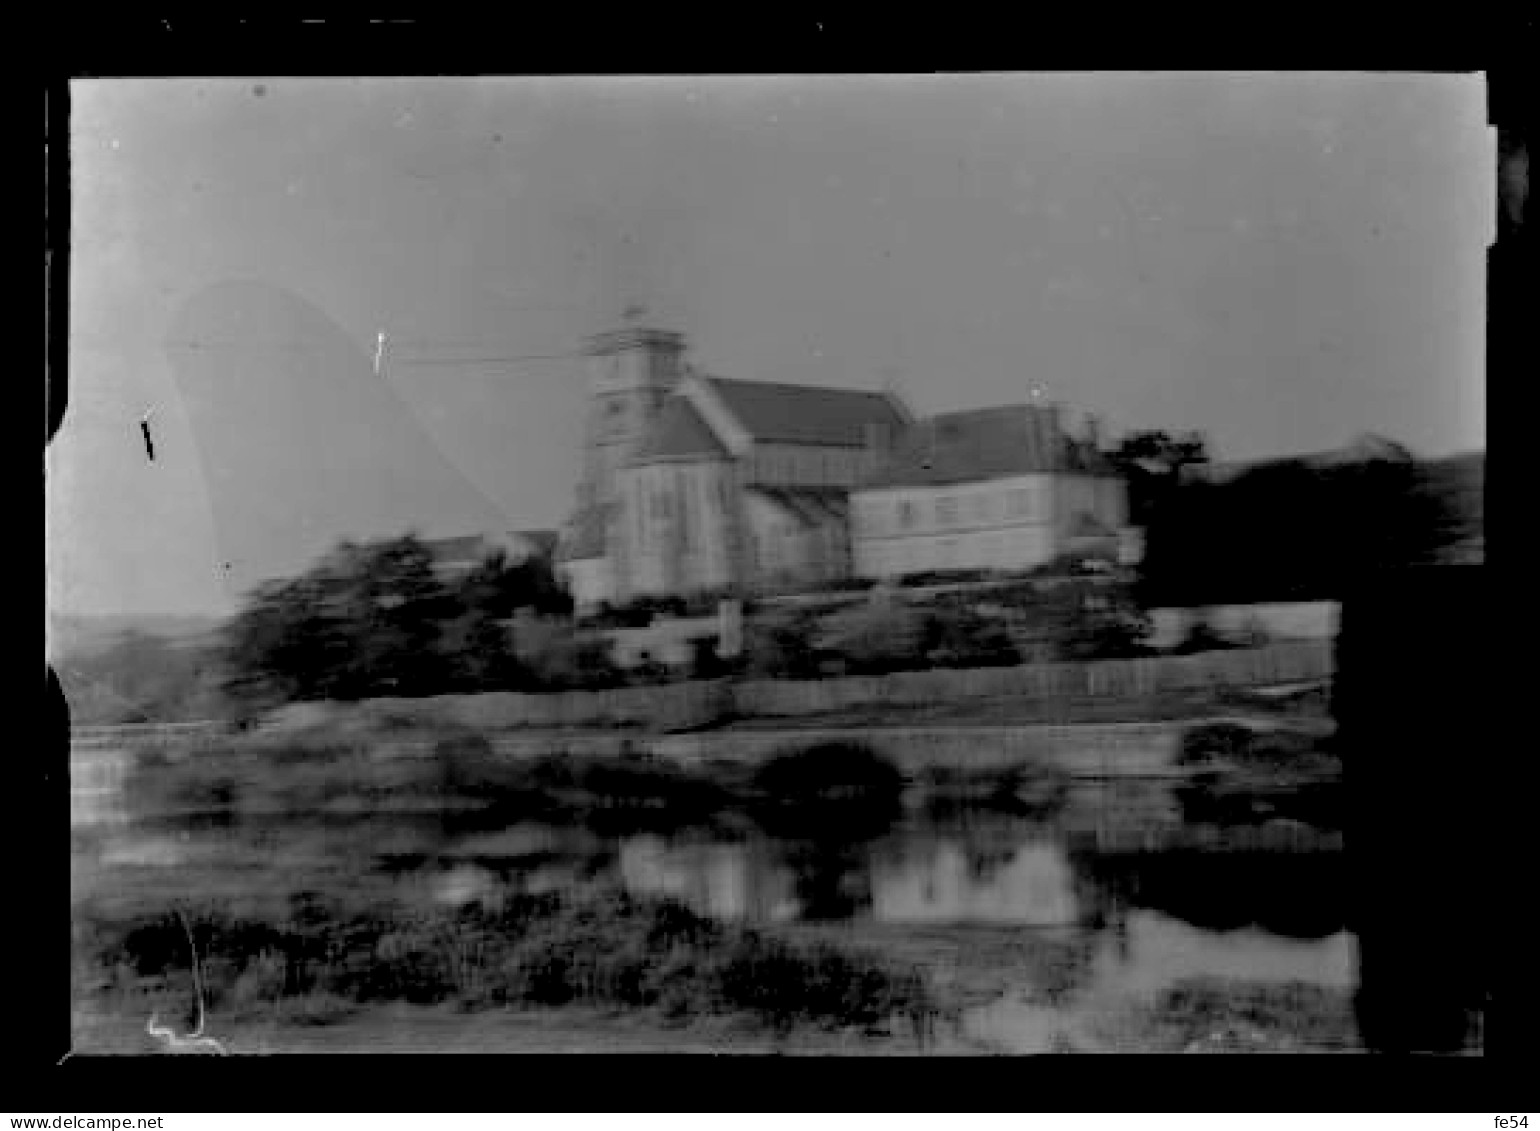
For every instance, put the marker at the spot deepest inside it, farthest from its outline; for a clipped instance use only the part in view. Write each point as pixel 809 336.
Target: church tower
pixel 632 370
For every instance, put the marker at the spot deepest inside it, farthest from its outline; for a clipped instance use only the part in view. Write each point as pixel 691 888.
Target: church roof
pixel 986 443
pixel 679 432
pixel 805 414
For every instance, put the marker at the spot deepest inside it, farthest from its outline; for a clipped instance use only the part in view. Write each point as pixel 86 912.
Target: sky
pixel 1280 261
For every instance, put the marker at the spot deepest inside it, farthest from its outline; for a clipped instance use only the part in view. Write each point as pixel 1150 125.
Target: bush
pixel 780 646
pixel 603 948
pixel 1288 1014
pixel 560 658
pixel 877 638
pixel 830 785
pixel 961 638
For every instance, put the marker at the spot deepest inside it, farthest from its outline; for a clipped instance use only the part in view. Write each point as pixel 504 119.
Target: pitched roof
pixel 679 432
pixel 986 443
pixel 805 414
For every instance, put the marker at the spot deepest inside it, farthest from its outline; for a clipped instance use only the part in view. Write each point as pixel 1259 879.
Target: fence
pixel 681 706
pixel 1113 679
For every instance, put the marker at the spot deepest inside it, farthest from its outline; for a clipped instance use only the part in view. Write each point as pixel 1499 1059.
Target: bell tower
pixel 631 370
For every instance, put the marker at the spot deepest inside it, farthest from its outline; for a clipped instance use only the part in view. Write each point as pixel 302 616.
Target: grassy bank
pixel 1224 1016
pixel 327 959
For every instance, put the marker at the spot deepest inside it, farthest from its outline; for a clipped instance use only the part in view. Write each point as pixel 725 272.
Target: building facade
pixel 696 483
pixel 998 489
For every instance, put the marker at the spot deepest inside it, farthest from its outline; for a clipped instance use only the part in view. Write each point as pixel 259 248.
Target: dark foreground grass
pixel 322 961
pixel 1217 1015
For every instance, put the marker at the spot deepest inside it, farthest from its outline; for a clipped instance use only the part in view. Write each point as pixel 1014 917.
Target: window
pixel 981 508
pixel 946 511
pixel 906 514
pixel 1021 502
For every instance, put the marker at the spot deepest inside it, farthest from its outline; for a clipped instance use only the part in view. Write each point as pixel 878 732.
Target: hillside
pixel 77 636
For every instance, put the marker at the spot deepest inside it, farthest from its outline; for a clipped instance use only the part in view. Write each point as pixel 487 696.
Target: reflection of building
pixel 728 881
pixel 1035 887
pixel 990 489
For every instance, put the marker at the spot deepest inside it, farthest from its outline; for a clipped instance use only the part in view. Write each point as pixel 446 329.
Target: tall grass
pixel 602 947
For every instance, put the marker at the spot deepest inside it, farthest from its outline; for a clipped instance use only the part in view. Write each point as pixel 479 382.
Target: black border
pixel 83 45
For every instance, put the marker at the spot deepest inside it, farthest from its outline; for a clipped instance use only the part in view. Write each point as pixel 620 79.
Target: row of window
pixel 808 466
pixel 945 511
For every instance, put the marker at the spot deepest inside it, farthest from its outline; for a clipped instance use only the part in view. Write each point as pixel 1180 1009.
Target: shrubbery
pixel 780 645
pixel 1239 775
pixel 604 948
pixel 378 619
pixel 877 638
pixel 1259 1017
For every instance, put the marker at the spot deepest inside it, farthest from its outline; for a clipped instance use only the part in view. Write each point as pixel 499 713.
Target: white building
pixel 998 489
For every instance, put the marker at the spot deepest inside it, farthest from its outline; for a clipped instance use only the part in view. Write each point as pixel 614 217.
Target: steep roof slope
pixel 805 414
pixel 679 432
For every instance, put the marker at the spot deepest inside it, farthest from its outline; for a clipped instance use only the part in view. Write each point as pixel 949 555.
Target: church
pixel 696 483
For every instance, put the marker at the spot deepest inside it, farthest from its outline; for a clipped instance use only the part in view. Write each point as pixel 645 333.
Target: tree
pixel 780 646
pixel 878 638
pixel 1161 452
pixel 366 620
pixel 500 589
pixel 961 637
pixel 1151 464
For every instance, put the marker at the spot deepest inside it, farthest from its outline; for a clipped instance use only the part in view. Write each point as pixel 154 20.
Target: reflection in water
pixel 928 880
pixel 727 881
pixel 940 885
pixel 832 881
pixel 1169 950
